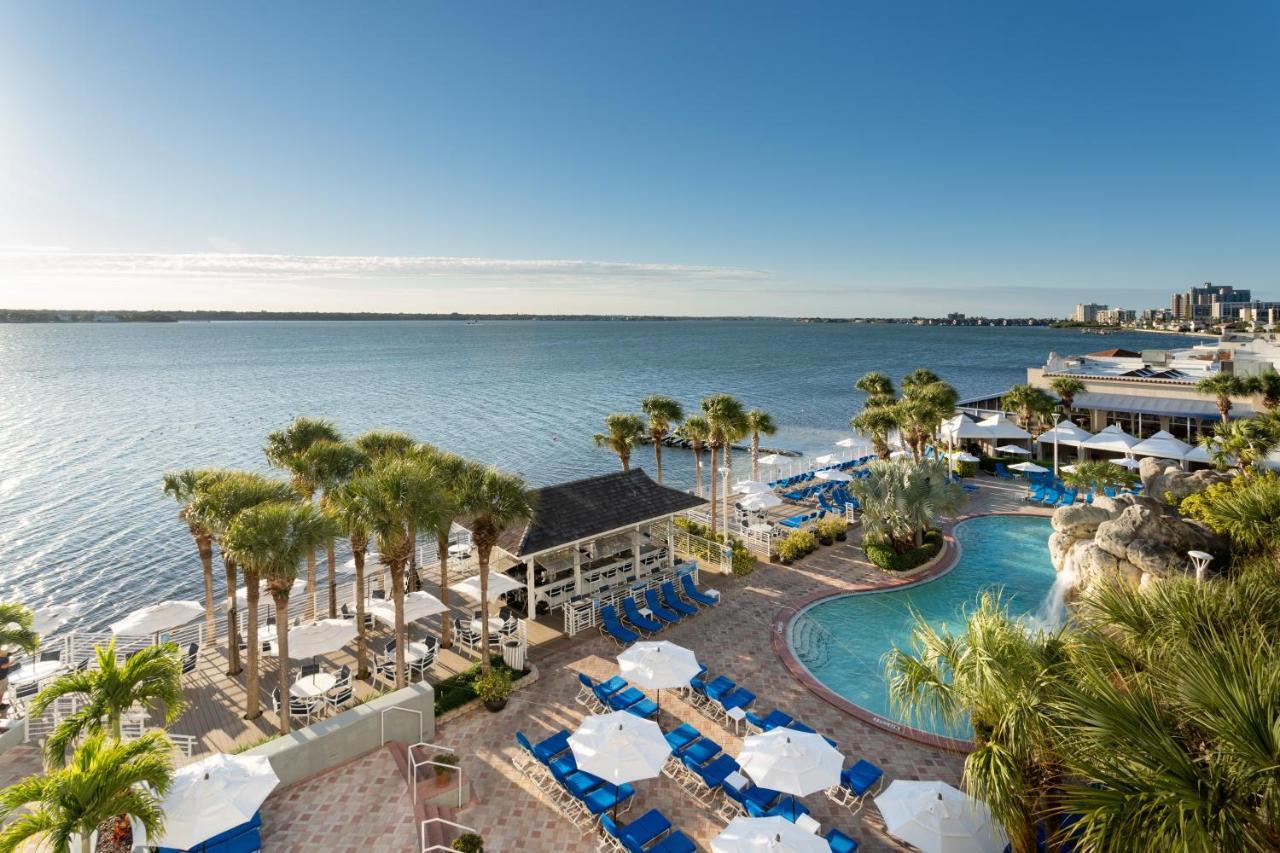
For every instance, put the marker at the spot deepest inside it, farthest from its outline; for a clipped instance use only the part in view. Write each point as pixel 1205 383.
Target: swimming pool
pixel 842 641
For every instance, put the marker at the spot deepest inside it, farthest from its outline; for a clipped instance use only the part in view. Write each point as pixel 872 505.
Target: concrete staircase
pixel 435 812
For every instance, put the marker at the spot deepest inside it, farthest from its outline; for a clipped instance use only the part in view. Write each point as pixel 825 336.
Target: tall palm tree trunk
pixel 442 549
pixel 282 656
pixel 397 593
pixel 1224 409
pixel 252 706
pixel 625 458
pixel 204 544
pixel 362 654
pixel 333 581
pixel 415 582
pixel 728 492
pixel 233 627
pixel 311 584
pixel 482 556
pixel 712 481
pixel 697 468
pixel 657 457
pixel 755 454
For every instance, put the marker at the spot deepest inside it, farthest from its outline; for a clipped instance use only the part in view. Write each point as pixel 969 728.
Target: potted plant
pixel 493 688
pixel 444 774
pixel 468 843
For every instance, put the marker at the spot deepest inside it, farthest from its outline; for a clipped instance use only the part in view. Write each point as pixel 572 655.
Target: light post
pixel 1055 445
pixel 1200 560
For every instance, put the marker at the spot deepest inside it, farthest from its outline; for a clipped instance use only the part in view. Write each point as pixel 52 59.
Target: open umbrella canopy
pixel 1162 444
pixel 961 456
pixel 1112 438
pixel 1065 433
pixel 211 796
pixel 242 594
pixel 45 620
pixel 938 818
pixel 826 459
pixel 850 443
pixel 773 459
pixel 157 617
pixel 619 747
pixel 318 638
pixel 1127 462
pixel 1028 468
pixel 791 761
pixel 417 605
pixel 833 476
pixel 1013 449
pixel 751 487
pixel 658 665
pixel 764 501
pixel 499 584
pixel 767 835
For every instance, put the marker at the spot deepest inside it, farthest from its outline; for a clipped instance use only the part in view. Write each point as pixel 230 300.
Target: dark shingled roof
pixel 568 512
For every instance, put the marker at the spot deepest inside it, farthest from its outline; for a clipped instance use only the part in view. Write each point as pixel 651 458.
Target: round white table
pixel 37 671
pixel 313 685
pixel 495 624
pixel 415 652
pixel 460 549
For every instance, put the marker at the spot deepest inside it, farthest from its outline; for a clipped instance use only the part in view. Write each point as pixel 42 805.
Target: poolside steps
pixel 812 642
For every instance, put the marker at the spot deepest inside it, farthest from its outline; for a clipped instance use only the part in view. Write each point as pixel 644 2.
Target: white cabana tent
pixel 961 456
pixel 1066 433
pixel 499 584
pixel 1164 445
pixel 998 427
pixel 1127 462
pixel 963 428
pixel 1113 438
pixel 1200 454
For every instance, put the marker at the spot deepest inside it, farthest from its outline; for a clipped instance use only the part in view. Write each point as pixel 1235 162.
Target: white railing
pixel 439 820
pixel 709 554
pixel 584 614
pixel 415 763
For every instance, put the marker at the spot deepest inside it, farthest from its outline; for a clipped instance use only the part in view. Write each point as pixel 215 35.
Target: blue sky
pixel 794 159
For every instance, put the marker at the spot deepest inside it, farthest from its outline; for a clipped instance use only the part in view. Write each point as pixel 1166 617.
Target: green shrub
pixel 468 843
pixel 796 545
pixel 831 527
pixel 743 561
pixel 457 690
pixel 966 469
pixel 883 555
pixel 495 686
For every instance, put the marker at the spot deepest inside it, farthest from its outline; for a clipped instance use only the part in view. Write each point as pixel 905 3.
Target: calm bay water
pixel 92 415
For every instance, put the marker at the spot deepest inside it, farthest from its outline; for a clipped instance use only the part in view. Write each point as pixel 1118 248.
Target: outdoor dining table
pixel 414 652
pixel 495 624
pixel 313 685
pixel 460 549
pixel 37 671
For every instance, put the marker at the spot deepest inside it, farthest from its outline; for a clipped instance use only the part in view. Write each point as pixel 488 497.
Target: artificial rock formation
pixel 1164 480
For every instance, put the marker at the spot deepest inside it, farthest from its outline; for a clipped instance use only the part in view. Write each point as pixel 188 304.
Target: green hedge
pixel 884 556
pixel 457 690
pixel 796 545
pixel 744 562
pixel 966 469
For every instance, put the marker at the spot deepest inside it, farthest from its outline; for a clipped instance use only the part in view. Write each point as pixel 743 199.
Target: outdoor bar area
pixel 590 541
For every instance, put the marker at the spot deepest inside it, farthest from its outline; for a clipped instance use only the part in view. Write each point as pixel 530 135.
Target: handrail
pixel 382 721
pixel 414 764
pixel 422 833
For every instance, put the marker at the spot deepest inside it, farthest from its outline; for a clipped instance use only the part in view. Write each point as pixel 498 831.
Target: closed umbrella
pixel 938 818
pixel 318 638
pixel 766 500
pixel 158 617
pixel 751 487
pixel 658 664
pixel 499 584
pixel 767 835
pixel 1028 468
pixel 417 605
pixel 1013 449
pixel 211 796
pixel 619 748
pixel 791 761
pixel 833 476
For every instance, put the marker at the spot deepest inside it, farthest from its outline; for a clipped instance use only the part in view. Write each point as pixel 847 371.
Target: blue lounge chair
pixel 841 843
pixel 700 751
pixel 692 593
pixel 640 832
pixel 611 627
pixel 547 749
pixel 676 842
pixel 606 797
pixel 773 720
pixel 638 619
pixel 719 687
pixel 669 616
pixel 634 701
pixel 739 698
pixel 856 782
pixel 715 771
pixel 673 601
pixel 682 737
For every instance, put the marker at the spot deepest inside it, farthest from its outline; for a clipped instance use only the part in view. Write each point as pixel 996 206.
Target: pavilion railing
pixel 711 555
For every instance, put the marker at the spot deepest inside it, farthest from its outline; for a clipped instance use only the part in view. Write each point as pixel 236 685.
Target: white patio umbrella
pixel 1065 433
pixel 499 584
pixel 962 456
pixel 767 835
pixel 751 487
pixel 1127 462
pixel 45 620
pixel 826 459
pixel 833 476
pixel 1028 468
pixel 242 594
pixel 938 818
pixel 619 748
pixel 850 443
pixel 773 459
pixel 767 500
pixel 318 638
pixel 158 617
pixel 417 605
pixel 1070 469
pixel 791 761
pixel 1013 449
pixel 211 796
pixel 658 664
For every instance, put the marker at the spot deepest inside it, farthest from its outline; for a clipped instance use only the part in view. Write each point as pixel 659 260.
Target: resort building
pixel 1146 392
pixel 1087 312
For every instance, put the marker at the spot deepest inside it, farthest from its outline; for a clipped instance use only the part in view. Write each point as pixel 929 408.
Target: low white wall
pixel 15 735
pixel 337 740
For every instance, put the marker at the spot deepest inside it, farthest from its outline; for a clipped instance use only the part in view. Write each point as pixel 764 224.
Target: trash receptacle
pixel 513 654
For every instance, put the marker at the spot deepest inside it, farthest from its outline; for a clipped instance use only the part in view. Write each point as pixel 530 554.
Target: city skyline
pixel 723 160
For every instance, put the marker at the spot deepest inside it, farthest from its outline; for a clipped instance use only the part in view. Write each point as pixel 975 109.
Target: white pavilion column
pixel 528 575
pixel 671 543
pixel 577 571
pixel 635 550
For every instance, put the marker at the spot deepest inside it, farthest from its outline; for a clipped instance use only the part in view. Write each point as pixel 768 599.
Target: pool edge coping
pixel 783 619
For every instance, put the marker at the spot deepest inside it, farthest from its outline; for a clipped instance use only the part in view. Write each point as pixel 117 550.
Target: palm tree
pixel 665 414
pixel 728 422
pixel 623 431
pixel 1243 443
pixel 1029 402
pixel 447 472
pixel 1247 512
pixel 997 676
pixel 182 487
pixel 332 464
pixel 16 633
pixel 760 423
pixel 1224 386
pixel 268 541
pixel 1268 385
pixel 902 499
pixel 383 444
pixel 877 422
pixel 695 430
pixel 397 494
pixel 287 448
pixel 150 677
pixel 105 779
pixel 1067 387
pixel 1098 474
pixel 493 501
pixel 349 509
pixel 215 506
pixel 925 404
pixel 879 389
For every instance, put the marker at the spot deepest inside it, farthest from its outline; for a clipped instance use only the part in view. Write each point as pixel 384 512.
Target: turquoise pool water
pixel 843 641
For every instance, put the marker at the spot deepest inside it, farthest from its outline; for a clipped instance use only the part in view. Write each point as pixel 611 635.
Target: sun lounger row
pixel 614 695
pixel 665 607
pixel 807 476
pixel 798 521
pixel 581 796
pixel 649 833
